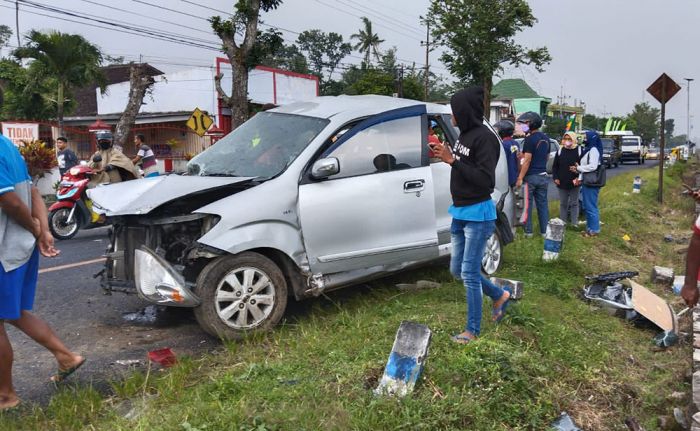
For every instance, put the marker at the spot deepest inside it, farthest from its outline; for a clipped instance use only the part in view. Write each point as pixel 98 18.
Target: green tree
pixel 21 97
pixel 669 126
pixel 324 52
pixel 242 25
pixel 367 41
pixel 68 58
pixel 591 122
pixel 644 121
pixel 5 35
pixel 479 37
pixel 287 57
pixel 555 126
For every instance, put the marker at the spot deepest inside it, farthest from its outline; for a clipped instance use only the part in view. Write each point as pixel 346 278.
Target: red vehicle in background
pixel 73 210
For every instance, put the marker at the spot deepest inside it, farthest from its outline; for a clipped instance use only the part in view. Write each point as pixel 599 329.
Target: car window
pixel 553 146
pixel 388 146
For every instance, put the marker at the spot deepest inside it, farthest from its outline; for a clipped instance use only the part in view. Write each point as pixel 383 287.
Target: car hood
pixel 143 196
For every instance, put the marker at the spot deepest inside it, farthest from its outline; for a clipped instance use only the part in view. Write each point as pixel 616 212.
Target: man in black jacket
pixel 473 159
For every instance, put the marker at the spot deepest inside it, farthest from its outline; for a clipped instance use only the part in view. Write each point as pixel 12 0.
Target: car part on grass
pixel 516 287
pixel 158 282
pixel 666 339
pixel 164 357
pixel 660 274
pixel 553 239
pixel 565 423
pixel 406 361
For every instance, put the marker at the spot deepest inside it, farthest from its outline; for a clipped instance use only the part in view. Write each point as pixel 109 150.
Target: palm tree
pixel 367 42
pixel 67 59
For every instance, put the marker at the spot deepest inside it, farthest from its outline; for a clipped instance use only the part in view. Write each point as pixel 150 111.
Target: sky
pixel 604 52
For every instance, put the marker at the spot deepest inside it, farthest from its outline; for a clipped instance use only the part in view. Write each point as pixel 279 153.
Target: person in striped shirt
pixel 145 157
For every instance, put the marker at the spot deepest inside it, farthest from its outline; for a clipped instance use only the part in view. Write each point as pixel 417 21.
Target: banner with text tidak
pixel 18 132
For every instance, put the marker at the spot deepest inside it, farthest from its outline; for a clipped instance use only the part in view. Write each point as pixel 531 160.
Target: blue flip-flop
pixel 461 339
pixel 501 311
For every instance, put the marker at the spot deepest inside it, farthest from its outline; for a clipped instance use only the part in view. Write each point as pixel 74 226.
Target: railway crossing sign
pixel 199 122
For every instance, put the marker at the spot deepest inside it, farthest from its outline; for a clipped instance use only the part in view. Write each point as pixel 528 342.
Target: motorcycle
pixel 73 210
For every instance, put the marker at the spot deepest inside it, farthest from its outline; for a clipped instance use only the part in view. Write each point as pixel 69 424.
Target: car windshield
pixel 608 144
pixel 262 147
pixel 629 141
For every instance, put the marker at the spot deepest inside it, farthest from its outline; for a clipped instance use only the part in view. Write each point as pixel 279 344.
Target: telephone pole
pixel 427 60
pixel 687 135
pixel 19 43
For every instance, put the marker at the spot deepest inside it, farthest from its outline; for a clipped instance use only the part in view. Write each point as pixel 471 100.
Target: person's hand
pixel 443 152
pixel 574 168
pixel 518 182
pixel 577 182
pixel 690 293
pixel 557 182
pixel 696 195
pixel 46 245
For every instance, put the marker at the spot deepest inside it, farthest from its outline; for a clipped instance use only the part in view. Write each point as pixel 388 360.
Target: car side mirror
pixel 324 168
pixel 97 158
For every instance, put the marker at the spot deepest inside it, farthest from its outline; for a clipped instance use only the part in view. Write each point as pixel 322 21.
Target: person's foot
pixel 67 367
pixel 589 234
pixel 528 235
pixel 9 401
pixel 465 337
pixel 498 306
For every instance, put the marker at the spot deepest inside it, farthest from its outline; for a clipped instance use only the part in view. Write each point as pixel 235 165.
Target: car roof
pixel 355 106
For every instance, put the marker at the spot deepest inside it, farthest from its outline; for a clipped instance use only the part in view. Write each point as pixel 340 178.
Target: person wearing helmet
pixel 112 166
pixel 505 129
pixel 433 138
pixel 533 169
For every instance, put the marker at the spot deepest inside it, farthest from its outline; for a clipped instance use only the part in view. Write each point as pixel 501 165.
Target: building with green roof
pixel 524 97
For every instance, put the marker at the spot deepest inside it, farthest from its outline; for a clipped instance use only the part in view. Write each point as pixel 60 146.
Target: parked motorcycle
pixel 73 210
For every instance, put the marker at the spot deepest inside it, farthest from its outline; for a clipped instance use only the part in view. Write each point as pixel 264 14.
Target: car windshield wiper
pixel 217 174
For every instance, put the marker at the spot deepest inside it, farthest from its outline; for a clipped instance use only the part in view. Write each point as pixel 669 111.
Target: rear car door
pixel 379 208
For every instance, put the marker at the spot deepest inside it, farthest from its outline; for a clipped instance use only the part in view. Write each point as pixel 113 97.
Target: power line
pixel 366 11
pixel 114 27
pixel 230 15
pixel 148 17
pixel 402 23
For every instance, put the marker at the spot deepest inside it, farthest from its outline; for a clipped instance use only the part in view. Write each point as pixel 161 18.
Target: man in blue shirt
pixel 533 170
pixel 24 233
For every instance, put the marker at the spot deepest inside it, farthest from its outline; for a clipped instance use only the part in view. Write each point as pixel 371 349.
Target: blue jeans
pixel 468 244
pixel 590 206
pixel 537 185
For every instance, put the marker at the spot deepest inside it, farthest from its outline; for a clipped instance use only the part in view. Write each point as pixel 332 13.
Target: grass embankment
pixel 553 352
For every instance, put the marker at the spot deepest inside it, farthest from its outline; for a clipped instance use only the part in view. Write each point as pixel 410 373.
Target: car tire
pixel 240 294
pixel 639 161
pixel 57 225
pixel 493 254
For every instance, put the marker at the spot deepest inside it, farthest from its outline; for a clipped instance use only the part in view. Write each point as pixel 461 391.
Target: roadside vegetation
pixel 553 352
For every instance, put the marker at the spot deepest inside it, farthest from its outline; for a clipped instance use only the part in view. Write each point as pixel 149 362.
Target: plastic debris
pixel 127 362
pixel 516 287
pixel 149 315
pixel 666 339
pixel 553 239
pixel 565 423
pixel 626 237
pixel 660 274
pixel 165 357
pixel 405 364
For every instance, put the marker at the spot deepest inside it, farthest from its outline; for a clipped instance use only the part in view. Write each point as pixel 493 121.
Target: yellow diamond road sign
pixel 199 122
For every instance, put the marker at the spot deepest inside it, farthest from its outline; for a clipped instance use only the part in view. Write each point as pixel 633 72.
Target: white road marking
pixel 71 265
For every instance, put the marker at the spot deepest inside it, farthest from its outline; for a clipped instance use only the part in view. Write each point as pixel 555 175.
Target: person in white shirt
pixel 590 160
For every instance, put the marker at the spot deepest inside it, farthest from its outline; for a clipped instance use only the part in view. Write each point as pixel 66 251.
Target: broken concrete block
pixel 679 416
pixel 662 274
pixel 696 421
pixel 406 360
pixel 696 387
pixel 516 287
pixel 553 239
pixel 565 423
pixel 696 360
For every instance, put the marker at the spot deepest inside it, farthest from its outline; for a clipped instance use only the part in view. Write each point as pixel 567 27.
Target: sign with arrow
pixel 199 122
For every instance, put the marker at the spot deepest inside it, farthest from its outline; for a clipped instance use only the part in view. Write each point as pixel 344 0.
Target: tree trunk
pixel 239 95
pixel 139 83
pixel 60 101
pixel 488 85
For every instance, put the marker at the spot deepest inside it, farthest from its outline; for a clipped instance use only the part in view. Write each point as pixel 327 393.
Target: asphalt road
pixel 553 193
pixel 91 323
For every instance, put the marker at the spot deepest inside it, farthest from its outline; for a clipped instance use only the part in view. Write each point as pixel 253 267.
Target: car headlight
pixel 156 281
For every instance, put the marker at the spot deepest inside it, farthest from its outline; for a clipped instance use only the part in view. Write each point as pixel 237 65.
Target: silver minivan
pixel 299 200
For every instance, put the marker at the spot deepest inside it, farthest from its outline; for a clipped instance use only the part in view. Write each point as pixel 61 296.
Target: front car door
pixel 379 208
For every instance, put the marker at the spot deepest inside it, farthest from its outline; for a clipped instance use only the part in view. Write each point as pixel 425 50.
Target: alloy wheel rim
pixel 244 298
pixel 492 255
pixel 60 226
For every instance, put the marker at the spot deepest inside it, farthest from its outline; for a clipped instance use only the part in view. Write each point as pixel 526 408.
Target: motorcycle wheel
pixel 58 226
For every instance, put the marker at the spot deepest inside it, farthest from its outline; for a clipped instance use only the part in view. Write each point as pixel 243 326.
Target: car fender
pixel 274 234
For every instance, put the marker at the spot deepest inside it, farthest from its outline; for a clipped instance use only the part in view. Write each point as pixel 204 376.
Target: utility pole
pixel 19 43
pixel 687 135
pixel 400 81
pixel 427 59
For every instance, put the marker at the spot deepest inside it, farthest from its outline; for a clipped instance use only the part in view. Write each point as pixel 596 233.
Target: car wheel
pixel 639 161
pixel 492 254
pixel 240 294
pixel 58 226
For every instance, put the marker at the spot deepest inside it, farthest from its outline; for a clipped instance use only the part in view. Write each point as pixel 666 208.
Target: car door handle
pixel 413 186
